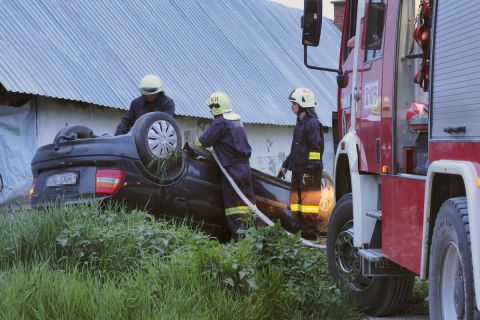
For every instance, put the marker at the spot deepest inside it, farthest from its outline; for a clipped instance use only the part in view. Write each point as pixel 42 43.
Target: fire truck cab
pixel 407 167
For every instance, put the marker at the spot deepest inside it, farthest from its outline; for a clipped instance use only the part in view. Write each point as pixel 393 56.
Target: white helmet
pixel 150 84
pixel 304 97
pixel 219 102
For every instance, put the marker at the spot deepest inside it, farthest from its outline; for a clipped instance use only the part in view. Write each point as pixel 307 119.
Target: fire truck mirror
pixel 311 22
pixel 342 81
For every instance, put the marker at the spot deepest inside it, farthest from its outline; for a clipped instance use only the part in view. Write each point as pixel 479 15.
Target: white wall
pixel 270 144
pixel 53 115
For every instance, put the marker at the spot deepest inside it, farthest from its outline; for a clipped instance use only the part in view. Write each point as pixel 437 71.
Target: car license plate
pixel 62 179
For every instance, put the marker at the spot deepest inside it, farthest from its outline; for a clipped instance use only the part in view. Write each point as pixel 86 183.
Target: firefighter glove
pixel 281 173
pixel 307 179
pixel 198 143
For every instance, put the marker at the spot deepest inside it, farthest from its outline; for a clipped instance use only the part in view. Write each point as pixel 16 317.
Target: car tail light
pixel 31 191
pixel 108 181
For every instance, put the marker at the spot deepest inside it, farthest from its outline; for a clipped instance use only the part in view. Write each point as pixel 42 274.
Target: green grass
pixel 80 263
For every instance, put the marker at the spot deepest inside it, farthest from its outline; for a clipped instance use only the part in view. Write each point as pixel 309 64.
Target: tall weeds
pixel 86 263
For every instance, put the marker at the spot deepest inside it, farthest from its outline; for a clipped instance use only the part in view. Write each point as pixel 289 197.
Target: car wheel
pixel 376 296
pixel 157 135
pixel 327 200
pixel 82 132
pixel 451 293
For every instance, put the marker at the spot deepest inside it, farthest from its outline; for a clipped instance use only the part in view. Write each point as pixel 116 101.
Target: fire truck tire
pixel 156 136
pixel 451 292
pixel 376 296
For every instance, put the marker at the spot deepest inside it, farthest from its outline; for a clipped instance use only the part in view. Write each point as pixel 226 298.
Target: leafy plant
pixel 87 262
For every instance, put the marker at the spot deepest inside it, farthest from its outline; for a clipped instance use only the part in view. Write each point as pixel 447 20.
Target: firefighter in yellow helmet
pixel 227 136
pixel 305 162
pixel 152 99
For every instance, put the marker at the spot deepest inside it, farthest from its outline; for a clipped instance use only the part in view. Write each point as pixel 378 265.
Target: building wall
pixel 270 144
pixel 53 115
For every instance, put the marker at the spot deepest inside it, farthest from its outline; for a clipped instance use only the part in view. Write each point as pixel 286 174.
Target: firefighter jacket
pixel 139 107
pixel 307 146
pixel 228 139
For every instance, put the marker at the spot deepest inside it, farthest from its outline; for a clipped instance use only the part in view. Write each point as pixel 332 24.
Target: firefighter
pixel 152 99
pixel 305 162
pixel 227 136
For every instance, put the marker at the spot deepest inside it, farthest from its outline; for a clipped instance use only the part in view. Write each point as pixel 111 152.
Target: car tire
pixel 156 135
pixel 82 132
pixel 376 296
pixel 451 292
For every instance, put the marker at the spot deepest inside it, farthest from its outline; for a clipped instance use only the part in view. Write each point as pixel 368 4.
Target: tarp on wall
pixel 18 144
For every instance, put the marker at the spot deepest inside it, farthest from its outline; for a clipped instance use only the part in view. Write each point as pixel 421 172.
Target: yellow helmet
pixel 219 103
pixel 304 97
pixel 150 84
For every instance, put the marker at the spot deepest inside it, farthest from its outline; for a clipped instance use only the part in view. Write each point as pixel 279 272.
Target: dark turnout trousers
pixel 304 203
pixel 236 211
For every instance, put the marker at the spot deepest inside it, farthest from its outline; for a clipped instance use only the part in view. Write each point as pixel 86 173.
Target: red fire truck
pixel 407 164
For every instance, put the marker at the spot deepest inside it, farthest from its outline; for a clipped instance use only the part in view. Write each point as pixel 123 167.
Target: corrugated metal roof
pixel 96 52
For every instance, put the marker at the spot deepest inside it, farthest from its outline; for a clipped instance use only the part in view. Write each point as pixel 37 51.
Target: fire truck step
pixel 374 264
pixel 376 214
pixel 373 255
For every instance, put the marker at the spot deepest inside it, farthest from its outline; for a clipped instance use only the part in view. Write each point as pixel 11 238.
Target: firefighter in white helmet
pixel 227 136
pixel 305 162
pixel 152 99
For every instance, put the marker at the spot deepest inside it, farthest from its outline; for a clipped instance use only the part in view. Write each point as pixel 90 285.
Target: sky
pixel 327 6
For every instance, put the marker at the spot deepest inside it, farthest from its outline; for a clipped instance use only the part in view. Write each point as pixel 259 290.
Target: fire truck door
pixel 347 60
pixel 369 84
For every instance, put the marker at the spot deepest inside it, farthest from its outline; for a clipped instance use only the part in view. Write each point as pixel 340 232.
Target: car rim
pixel 348 261
pixel 451 287
pixel 162 139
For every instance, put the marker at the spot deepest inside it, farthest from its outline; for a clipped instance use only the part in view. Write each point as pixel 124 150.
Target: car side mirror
pixel 311 22
pixel 342 81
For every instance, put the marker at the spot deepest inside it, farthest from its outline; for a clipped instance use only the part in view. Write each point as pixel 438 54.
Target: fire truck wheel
pixel 157 135
pixel 376 296
pixel 451 293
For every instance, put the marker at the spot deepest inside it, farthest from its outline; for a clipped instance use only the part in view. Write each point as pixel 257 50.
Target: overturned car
pixel 150 168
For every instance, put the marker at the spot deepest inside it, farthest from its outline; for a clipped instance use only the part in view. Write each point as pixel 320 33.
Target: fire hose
pixel 252 207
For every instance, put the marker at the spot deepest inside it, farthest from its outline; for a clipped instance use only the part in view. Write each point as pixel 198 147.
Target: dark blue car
pixel 148 168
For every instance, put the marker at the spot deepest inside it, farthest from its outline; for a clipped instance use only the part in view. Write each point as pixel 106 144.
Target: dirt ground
pixel 411 312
